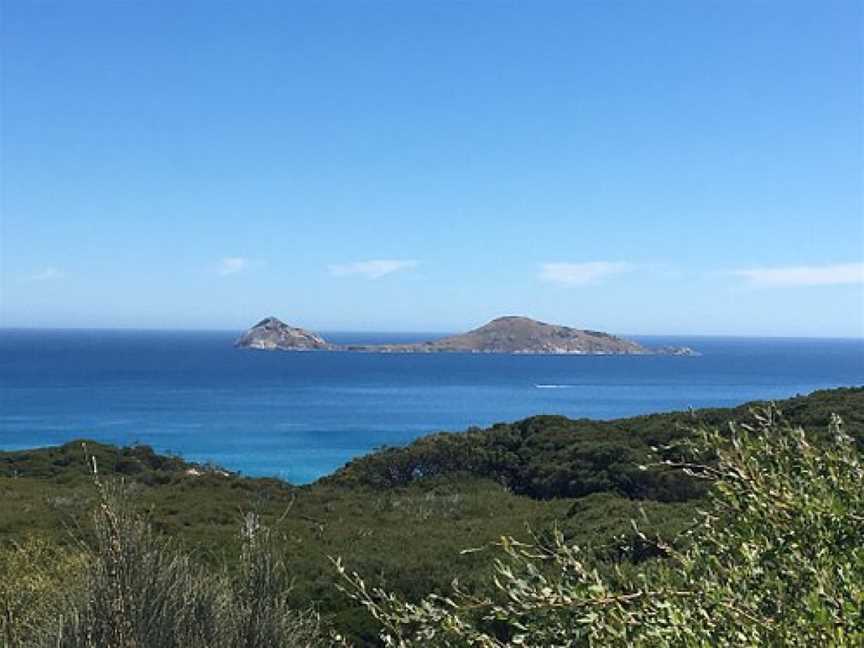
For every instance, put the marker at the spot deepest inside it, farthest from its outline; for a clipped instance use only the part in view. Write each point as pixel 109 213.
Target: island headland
pixel 509 334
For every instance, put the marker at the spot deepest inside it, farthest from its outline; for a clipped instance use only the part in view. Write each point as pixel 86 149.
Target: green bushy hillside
pixel 400 516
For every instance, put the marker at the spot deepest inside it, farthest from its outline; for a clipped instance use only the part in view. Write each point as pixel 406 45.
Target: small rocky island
pixel 510 334
pixel 272 334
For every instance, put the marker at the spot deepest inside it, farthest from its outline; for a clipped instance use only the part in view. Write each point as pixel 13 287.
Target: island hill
pixel 510 334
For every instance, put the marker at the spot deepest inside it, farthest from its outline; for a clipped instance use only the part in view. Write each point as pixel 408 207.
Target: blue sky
pixel 638 167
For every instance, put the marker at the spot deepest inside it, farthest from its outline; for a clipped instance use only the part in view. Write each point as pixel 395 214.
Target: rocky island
pixel 511 334
pixel 272 334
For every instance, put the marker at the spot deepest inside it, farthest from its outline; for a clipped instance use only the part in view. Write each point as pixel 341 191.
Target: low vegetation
pixel 167 541
pixel 775 560
pixel 133 588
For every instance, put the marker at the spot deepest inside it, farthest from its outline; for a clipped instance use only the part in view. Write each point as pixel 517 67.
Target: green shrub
pixel 776 560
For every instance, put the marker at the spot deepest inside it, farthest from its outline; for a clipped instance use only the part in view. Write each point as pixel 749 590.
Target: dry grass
pixel 136 589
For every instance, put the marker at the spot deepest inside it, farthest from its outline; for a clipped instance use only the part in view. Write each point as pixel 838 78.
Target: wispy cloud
pixel 47 274
pixel 826 275
pixel 232 265
pixel 582 273
pixel 374 269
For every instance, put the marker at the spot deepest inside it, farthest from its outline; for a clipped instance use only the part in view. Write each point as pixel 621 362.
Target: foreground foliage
pixel 134 588
pixel 37 579
pixel 776 560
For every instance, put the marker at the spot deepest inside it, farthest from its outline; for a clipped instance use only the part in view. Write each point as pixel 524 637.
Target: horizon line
pixel 416 332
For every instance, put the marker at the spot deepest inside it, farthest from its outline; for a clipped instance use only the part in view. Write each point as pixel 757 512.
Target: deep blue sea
pixel 301 415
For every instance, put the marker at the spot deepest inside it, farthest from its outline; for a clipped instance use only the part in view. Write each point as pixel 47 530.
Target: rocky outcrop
pixel 510 334
pixel 272 334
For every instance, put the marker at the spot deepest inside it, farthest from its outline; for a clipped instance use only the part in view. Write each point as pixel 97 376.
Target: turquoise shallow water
pixel 301 415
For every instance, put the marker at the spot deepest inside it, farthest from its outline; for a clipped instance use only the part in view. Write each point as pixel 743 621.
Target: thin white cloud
pixel 374 269
pixel 579 274
pixel 47 274
pixel 826 275
pixel 232 265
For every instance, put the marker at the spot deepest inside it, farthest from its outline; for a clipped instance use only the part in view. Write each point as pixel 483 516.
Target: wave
pixel 554 386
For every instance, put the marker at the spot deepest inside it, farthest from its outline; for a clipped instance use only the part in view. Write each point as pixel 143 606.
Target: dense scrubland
pixel 534 520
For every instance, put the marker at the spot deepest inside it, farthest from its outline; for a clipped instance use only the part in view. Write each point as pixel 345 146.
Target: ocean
pixel 299 416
